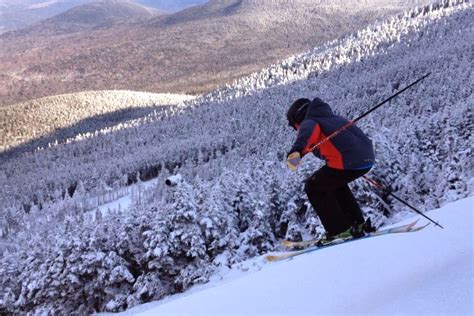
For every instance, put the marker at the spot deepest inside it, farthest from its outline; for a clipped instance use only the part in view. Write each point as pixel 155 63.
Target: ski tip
pixel 415 229
pixel 412 224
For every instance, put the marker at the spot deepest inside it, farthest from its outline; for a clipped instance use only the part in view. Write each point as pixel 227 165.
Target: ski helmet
pixel 297 112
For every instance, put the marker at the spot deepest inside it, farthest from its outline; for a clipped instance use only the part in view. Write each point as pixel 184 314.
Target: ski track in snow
pixel 427 273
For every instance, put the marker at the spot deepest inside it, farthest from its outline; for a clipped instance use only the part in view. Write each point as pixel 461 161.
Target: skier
pixel 348 156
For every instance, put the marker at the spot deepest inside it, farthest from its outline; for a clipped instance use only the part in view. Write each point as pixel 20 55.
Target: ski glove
pixel 293 160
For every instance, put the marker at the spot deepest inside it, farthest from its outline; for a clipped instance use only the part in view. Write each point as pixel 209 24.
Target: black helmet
pixel 297 112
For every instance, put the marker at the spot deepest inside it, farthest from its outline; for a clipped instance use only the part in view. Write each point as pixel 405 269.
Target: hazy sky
pixel 171 5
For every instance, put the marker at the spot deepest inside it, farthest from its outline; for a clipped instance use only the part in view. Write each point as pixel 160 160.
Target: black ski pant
pixel 332 199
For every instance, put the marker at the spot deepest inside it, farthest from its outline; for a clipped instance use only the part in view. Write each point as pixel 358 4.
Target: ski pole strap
pixel 383 188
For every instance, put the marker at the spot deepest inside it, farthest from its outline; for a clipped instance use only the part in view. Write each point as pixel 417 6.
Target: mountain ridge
pixel 85 17
pixel 19 14
pixel 179 53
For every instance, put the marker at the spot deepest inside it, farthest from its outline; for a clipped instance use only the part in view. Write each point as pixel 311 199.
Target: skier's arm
pixel 301 145
pixel 307 133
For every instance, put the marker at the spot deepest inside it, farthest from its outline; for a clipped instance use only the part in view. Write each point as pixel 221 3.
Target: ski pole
pixel 381 187
pixel 350 123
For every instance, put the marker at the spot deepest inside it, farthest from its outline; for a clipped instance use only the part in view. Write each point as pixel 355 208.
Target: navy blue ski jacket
pixel 349 150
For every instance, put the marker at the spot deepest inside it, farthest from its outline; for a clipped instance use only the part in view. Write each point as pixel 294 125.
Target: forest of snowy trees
pixel 237 199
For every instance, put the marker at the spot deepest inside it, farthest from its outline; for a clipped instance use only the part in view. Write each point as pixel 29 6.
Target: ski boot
pixel 327 239
pixel 360 230
pixel 355 231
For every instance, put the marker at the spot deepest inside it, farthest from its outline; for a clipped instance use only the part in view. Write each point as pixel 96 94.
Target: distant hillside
pixel 17 14
pixel 88 16
pixel 192 51
pixel 34 123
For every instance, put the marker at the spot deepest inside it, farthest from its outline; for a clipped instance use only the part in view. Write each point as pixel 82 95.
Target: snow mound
pixel 428 272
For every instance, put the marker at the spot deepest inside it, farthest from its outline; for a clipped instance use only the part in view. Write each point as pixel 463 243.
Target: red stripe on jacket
pixel 328 151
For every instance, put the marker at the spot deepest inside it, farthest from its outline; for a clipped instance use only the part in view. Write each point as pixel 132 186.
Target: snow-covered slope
pixel 425 273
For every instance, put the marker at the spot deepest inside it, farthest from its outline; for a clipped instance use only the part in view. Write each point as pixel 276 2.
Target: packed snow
pixel 429 272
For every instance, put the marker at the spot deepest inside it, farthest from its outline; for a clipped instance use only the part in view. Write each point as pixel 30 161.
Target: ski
pixel 314 242
pixel 409 228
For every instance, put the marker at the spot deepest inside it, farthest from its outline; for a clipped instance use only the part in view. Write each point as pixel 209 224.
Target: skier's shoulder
pixel 319 109
pixel 309 123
